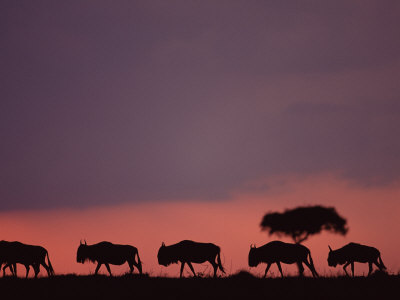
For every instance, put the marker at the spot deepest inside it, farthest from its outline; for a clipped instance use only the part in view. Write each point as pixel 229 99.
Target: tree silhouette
pixel 301 222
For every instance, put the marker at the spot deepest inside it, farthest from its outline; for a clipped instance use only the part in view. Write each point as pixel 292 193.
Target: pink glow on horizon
pixel 372 215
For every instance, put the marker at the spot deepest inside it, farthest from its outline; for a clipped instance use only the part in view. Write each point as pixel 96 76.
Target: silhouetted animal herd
pixel 187 252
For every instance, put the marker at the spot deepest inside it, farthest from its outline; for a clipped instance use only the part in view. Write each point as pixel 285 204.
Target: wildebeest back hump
pixel 360 253
pixel 112 253
pixel 29 254
pixel 291 253
pixel 284 252
pixel 197 252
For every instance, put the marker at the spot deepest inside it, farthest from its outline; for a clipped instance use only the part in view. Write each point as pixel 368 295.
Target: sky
pixel 191 119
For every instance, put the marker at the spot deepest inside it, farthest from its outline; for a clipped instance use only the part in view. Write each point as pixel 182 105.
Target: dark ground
pixel 240 286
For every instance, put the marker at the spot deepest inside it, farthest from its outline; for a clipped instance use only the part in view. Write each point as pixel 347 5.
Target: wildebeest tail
pixel 49 264
pixel 139 262
pixel 219 261
pixel 381 262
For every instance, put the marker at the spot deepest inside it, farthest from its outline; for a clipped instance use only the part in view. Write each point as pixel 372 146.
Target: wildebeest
pixel 277 252
pixel 12 253
pixel 354 252
pixel 188 252
pixel 108 253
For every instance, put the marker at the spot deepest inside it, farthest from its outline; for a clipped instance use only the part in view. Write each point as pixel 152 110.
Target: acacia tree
pixel 301 222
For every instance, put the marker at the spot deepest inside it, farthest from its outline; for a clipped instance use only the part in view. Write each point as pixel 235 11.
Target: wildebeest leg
pixel 378 265
pixel 279 267
pixel 191 268
pixel 36 268
pixel 4 270
pixel 369 268
pixel 344 268
pixel 312 268
pixel 182 266
pixel 97 268
pixel 301 268
pixel 27 267
pixel 44 266
pixel 138 266
pixel 266 270
pixel 108 269
pixel 131 268
pixel 9 266
pixel 352 268
pixel 13 269
pixel 215 266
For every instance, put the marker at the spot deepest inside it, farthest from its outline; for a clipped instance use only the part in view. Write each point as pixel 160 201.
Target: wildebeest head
pixel 165 256
pixel 334 258
pixel 254 260
pixel 83 253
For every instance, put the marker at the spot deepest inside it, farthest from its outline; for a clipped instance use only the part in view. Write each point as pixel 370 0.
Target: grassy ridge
pixel 241 286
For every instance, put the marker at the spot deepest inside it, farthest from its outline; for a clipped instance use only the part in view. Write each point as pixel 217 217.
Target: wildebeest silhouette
pixel 108 253
pixel 188 252
pixel 12 253
pixel 354 252
pixel 277 252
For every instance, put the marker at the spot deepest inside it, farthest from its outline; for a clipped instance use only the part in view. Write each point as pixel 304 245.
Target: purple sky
pixel 105 102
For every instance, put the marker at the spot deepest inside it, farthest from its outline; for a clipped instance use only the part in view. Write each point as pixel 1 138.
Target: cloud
pixel 144 102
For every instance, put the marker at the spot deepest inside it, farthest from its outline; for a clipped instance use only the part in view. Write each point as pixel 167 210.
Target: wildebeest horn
pixel 330 249
pixel 85 242
pixel 163 244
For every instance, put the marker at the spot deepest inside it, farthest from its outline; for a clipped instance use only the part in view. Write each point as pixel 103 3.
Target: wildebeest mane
pixel 170 254
pixel 90 258
pixel 85 253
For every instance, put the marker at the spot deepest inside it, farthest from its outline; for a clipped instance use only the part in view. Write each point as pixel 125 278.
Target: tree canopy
pixel 301 222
